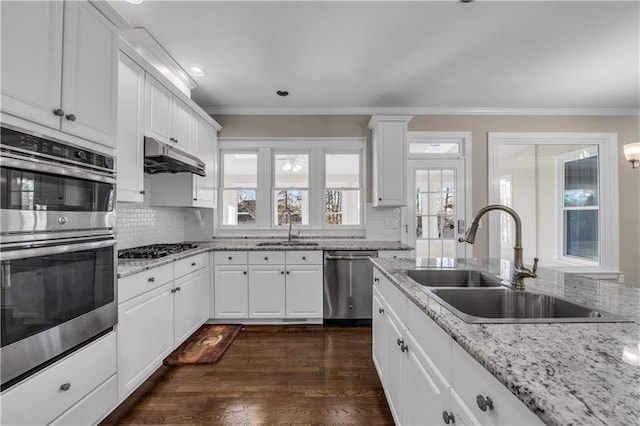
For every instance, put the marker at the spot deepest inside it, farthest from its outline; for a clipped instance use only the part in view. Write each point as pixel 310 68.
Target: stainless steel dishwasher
pixel 348 286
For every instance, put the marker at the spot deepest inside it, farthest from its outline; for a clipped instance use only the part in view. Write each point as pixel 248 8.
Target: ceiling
pixel 340 57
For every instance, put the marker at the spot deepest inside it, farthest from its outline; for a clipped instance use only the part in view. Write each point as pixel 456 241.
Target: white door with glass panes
pixel 437 207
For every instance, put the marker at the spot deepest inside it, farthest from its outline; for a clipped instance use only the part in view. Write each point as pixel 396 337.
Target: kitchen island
pixel 565 373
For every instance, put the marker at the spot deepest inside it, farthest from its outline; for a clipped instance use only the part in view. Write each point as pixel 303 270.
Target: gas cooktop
pixel 154 251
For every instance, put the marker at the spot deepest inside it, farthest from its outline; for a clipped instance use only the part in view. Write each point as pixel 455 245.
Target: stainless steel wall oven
pixel 57 250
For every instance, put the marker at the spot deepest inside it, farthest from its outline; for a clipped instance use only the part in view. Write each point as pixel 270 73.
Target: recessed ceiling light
pixel 282 93
pixel 197 71
pixel 134 1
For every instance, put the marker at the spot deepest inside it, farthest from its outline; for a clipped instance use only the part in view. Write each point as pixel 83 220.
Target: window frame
pixel 316 148
pixel 223 188
pixel 607 145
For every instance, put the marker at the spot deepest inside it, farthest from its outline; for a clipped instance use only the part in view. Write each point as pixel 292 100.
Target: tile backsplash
pixel 141 224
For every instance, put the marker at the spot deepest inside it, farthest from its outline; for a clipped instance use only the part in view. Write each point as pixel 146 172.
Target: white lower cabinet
pixel 268 285
pixel 159 308
pixel 428 378
pixel 78 389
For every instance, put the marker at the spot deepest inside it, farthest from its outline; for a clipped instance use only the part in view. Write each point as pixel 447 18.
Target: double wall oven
pixel 57 250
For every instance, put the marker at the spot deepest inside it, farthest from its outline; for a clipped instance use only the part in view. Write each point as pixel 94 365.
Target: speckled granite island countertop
pixel 128 267
pixel 568 374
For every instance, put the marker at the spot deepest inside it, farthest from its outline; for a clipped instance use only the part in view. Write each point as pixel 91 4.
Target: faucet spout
pixel 288 213
pixel 519 270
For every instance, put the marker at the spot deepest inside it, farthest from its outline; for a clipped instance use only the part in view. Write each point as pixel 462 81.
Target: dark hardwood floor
pixel 270 375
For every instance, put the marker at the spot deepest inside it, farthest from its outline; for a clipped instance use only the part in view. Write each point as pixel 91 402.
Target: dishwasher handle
pixel 364 257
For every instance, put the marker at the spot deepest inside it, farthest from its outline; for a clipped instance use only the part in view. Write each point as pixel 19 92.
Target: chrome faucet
pixel 288 213
pixel 519 270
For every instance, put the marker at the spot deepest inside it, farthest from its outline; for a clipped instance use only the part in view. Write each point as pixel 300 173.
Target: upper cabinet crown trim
pixel 375 119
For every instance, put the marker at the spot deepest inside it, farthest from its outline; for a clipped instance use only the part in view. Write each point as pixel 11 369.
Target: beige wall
pixel 627 128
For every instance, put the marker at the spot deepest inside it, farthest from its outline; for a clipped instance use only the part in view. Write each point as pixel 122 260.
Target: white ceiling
pixel 411 57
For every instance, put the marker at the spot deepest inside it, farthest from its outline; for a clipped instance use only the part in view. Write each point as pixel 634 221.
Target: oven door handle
pixel 57 249
pixel 39 166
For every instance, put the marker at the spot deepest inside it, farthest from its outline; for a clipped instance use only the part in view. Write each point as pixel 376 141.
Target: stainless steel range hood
pixel 160 157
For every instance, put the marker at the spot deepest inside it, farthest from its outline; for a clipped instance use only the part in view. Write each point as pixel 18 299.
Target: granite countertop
pixel 568 374
pixel 128 267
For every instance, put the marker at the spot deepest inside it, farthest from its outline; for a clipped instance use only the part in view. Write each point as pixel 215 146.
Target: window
pixel 342 189
pixel 564 186
pixel 240 188
pixel 291 189
pixel 580 204
pixel 317 184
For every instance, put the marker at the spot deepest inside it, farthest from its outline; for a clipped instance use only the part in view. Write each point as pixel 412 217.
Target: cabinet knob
pixel 193 263
pixel 304 257
pixel 58 112
pixel 380 199
pixel 281 272
pixel 381 310
pixel 70 117
pixel 151 279
pixel 230 257
pixel 287 272
pixel 244 272
pixel 448 417
pixel 484 402
pixel 195 199
pixel 65 386
pixel 266 258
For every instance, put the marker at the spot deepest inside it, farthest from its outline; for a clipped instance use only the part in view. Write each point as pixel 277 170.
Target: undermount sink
pixel 452 278
pixel 287 243
pixel 503 305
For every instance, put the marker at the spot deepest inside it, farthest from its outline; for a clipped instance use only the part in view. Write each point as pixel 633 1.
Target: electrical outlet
pixel 620 278
pixel 391 223
pixel 168 225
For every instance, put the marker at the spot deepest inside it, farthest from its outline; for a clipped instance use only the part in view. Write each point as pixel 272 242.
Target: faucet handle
pixel 535 265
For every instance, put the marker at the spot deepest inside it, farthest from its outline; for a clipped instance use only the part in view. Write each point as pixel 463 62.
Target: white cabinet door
pixel 425 395
pixel 459 412
pixel 389 136
pixel 90 74
pixel 130 131
pixel 32 60
pixel 158 110
pixel 266 291
pixel 204 187
pixel 395 364
pixel 379 332
pixel 182 125
pixel 304 291
pixel 231 292
pixel 145 337
pixel 191 304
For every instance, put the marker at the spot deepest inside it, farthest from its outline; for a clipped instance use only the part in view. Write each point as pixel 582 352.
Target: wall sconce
pixel 632 153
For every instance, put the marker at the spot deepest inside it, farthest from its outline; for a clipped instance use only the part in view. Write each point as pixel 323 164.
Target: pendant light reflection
pixel 292 164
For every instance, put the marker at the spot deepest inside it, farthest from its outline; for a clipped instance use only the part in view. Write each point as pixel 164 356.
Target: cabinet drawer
pixel 304 257
pixel 230 257
pixel 137 284
pixel 93 407
pixel 394 297
pixel 84 370
pixel 266 258
pixel 470 380
pixel 188 265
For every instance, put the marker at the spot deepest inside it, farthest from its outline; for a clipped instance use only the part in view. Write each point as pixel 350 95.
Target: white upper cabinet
pixel 389 138
pixel 59 68
pixel 130 131
pixel 168 119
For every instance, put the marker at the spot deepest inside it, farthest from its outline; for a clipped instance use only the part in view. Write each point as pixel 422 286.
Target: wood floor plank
pixel 320 375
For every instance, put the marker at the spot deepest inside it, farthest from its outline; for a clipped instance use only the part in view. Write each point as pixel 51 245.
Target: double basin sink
pixel 480 298
pixel 292 243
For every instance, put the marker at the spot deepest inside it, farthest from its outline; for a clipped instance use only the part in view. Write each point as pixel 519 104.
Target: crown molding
pixel 423 111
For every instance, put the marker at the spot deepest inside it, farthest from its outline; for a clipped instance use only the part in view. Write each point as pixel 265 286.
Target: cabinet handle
pixel 58 112
pixel 71 117
pixel 173 290
pixel 193 263
pixel 448 417
pixel 404 348
pixel 400 341
pixel 376 280
pixel 178 288
pixel 484 403
pixel 65 386
pixel 151 279
pixel 171 139
pixel 195 199
pixel 381 310
pixel 143 192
